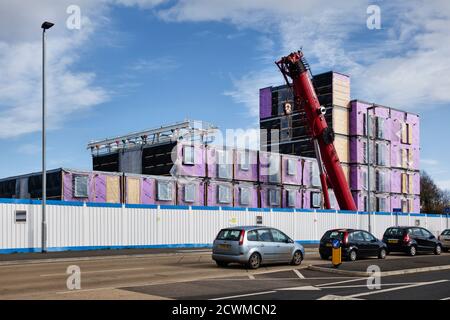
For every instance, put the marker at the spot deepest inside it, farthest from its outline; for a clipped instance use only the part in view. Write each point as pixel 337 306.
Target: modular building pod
pixel 191 192
pixel 270 196
pixel 65 184
pixel 311 177
pixel 269 167
pixel 245 195
pixel 140 189
pixel 291 170
pixel 219 193
pixel 292 197
pixel 219 163
pixel 246 165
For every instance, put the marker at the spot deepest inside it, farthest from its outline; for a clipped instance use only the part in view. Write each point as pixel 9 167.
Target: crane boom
pixel 295 67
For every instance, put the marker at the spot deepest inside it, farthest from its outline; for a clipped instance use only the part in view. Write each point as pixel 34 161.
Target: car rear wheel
pixel 382 254
pixel 254 261
pixel 222 264
pixel 297 258
pixel 438 250
pixel 352 255
pixel 412 251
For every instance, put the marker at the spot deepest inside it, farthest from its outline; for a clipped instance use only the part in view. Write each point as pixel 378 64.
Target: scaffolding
pixel 188 130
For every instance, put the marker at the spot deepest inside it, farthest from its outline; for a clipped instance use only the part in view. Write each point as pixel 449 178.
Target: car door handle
pixel 261 245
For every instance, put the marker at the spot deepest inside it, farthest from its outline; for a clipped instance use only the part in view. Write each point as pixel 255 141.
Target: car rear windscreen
pixel 229 234
pixel 394 232
pixel 333 235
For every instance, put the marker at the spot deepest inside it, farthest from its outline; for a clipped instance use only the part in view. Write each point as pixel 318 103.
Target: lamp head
pixel 47 25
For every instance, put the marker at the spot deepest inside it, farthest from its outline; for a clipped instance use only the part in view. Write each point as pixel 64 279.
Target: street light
pixel 45 26
pixel 368 165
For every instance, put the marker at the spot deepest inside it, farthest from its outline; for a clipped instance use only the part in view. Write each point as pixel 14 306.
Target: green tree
pixel 432 198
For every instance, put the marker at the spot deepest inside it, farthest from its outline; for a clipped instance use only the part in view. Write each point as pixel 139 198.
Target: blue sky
pixel 136 64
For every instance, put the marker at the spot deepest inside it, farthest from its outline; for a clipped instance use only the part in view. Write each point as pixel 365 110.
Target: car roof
pixel 247 227
pixel 345 230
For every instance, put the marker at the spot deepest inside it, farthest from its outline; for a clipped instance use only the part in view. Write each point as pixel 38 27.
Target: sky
pixel 136 64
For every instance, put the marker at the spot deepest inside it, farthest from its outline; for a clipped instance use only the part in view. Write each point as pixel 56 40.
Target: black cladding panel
pixel 108 163
pixel 54 186
pixel 157 160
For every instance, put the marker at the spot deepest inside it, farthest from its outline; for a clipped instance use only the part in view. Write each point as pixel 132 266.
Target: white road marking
pixel 244 295
pixel 334 297
pixel 395 289
pixel 251 277
pixel 96 271
pixel 448 298
pixel 299 274
pixel 365 285
pixel 303 288
pixel 339 282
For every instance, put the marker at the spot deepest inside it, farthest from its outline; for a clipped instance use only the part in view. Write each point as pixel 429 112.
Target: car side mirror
pixel 289 241
pixel 374 240
pixel 431 237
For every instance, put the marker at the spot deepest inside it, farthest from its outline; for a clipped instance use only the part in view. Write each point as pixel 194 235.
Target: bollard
pixel 336 253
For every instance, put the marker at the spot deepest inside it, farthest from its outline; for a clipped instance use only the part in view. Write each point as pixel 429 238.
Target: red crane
pixel 295 67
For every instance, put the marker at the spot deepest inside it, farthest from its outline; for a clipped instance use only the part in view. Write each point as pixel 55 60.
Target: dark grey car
pixel 255 245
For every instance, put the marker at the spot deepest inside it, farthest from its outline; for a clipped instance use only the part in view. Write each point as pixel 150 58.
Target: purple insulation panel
pixel 310 176
pixel 219 163
pixel 265 103
pixel 291 197
pixel 100 188
pixel 269 167
pixel 191 160
pixel 291 170
pixel 358 110
pixel 148 190
pixel 246 165
pixel 191 193
pixel 270 196
pixel 219 193
pixel 397 118
pixel 396 180
pixel 396 158
pixel 245 195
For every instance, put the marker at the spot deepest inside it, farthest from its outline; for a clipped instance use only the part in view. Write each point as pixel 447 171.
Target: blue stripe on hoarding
pixel 382 213
pixel 155 246
pixel 173 207
pixel 65 203
pixel 205 208
pixel 103 205
pixel 282 209
pixel 141 206
pixel 183 207
pixel 234 209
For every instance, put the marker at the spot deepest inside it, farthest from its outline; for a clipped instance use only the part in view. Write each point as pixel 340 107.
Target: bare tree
pixel 432 198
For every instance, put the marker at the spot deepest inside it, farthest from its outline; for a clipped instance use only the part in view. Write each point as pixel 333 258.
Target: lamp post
pixel 369 213
pixel 45 26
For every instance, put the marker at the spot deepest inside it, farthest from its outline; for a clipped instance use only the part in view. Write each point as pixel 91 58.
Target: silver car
pixel 445 239
pixel 255 245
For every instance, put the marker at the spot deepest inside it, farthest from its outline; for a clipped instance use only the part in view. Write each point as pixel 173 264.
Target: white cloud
pixel 443 184
pixel 405 64
pixel 155 65
pixel 68 91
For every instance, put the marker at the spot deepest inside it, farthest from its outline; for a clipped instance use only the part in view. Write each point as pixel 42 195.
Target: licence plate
pixel 224 246
pixel 328 244
pixel 393 241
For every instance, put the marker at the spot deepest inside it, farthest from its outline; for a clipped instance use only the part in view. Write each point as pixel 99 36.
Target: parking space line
pixel 299 274
pixel 394 289
pixel 251 277
pixel 448 298
pixel 244 295
pixel 365 285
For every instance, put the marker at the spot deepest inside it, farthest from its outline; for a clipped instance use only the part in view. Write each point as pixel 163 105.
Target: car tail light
pixel 406 238
pixel 345 239
pixel 241 238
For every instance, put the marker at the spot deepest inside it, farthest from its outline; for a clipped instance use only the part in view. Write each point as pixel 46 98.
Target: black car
pixel 411 240
pixel 354 244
